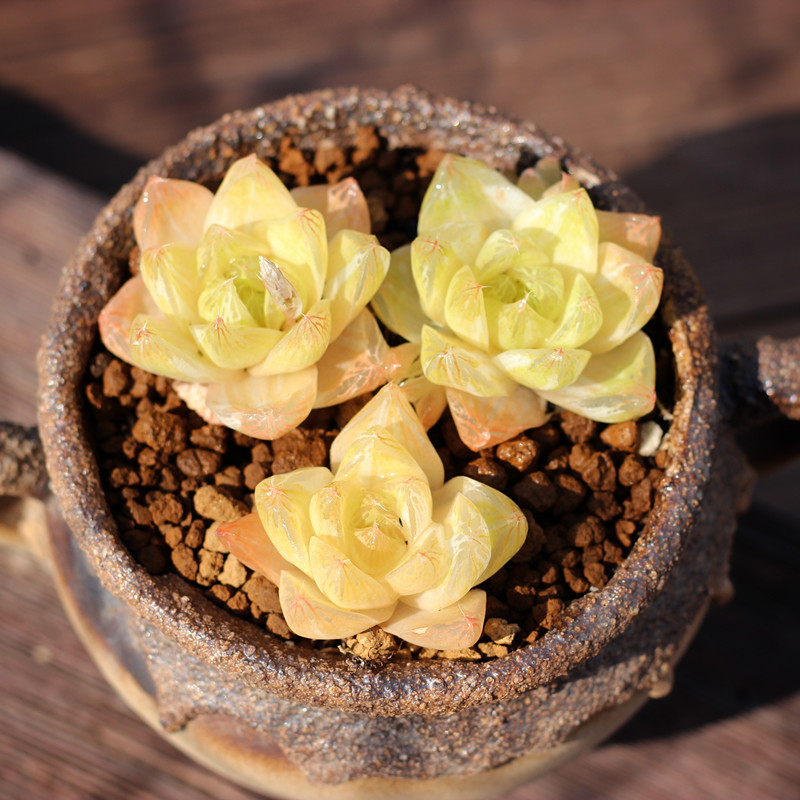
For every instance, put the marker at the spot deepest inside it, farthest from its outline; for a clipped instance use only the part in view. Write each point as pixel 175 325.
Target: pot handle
pixel 23 486
pixel 760 387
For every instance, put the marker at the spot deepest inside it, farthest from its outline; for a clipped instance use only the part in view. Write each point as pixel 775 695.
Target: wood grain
pixel 697 103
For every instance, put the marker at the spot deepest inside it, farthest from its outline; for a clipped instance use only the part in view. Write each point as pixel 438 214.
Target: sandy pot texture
pixel 283 717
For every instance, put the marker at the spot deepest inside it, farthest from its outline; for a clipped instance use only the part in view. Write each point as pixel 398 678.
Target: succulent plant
pixel 522 294
pixel 254 299
pixel 381 540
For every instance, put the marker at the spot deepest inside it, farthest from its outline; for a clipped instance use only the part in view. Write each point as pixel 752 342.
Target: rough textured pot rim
pixel 407 117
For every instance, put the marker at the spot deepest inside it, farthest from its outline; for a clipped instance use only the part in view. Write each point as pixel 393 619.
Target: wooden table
pixel 696 104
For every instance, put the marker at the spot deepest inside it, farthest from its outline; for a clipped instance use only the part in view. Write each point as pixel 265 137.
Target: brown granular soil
pixel 171 479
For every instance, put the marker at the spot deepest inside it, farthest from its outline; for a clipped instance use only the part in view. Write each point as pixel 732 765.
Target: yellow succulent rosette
pixel 380 539
pixel 253 299
pixel 519 294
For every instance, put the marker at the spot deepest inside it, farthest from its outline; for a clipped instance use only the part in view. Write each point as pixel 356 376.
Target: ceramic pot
pixel 281 718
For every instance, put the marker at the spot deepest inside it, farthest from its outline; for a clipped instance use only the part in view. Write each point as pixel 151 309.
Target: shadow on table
pixel 43 137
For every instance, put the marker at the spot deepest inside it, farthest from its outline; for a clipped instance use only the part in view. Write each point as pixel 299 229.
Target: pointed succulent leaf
pixel 517 325
pixel 264 407
pixel 342 204
pixel 342 582
pixel 160 346
pixel 248 541
pixel 465 310
pixel 428 399
pixel 309 613
pixel 397 303
pixel 377 548
pixel 299 243
pixel 468 550
pixel 639 233
pixel 487 421
pixel 582 316
pixel 170 211
pixel 170 273
pixel 357 362
pixel 234 346
pixel 222 301
pixel 456 627
pixel 390 409
pixel 250 191
pixel 563 226
pixel 303 344
pixel 422 563
pixel 504 250
pixel 282 502
pixel 628 290
pixel 448 361
pixel 434 262
pixel 357 265
pixel 542 286
pixel 614 387
pixel 465 190
pixel 544 369
pixel 116 318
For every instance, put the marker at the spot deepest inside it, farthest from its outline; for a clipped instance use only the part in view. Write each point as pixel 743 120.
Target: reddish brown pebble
pixel 612 553
pixel 536 491
pixel 622 436
pixel 599 473
pixel 173 535
pixel 263 593
pixel 253 475
pixel 164 508
pixel 116 379
pixel 625 530
pixel 195 535
pixel 595 573
pixel 571 493
pixel 488 471
pixel 185 561
pixel 578 429
pixel 575 580
pixel 520 453
pixel 124 476
pixel 161 431
pixel 276 624
pixel 594 552
pixel 211 564
pixel 299 448
pixel 548 435
pixel 261 453
pixel 604 505
pixel 198 463
pixel 550 572
pixel 239 603
pixel 210 437
pixel 631 470
pixel 579 456
pixel 558 459
pixel 221 592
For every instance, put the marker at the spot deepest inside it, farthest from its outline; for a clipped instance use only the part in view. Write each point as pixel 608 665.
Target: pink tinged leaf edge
pixel 248 541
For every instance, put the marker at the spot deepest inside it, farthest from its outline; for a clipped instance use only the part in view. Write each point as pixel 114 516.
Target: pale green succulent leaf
pixel 391 410
pixel 342 204
pixel 299 244
pixel 169 211
pixel 467 550
pixel 397 302
pixel 433 264
pixel 282 502
pixel 456 627
pixel 222 300
pixel 357 265
pixel 302 345
pixel 449 361
pixel 582 316
pixel 487 421
pixel 264 407
pixel 545 369
pixel 503 250
pixel 563 226
pixel 170 274
pixel 421 564
pixel 639 233
pixel 465 190
pixel 543 287
pixel 465 310
pixel 309 613
pixel 516 325
pixel 342 582
pixel 614 387
pixel 234 346
pixel 628 289
pixel 160 346
pixel 250 191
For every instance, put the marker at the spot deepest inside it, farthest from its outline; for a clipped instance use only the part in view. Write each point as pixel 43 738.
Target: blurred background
pixel 696 103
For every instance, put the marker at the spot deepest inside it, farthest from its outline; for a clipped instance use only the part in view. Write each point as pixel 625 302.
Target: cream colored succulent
pixel 253 299
pixel 381 539
pixel 522 294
